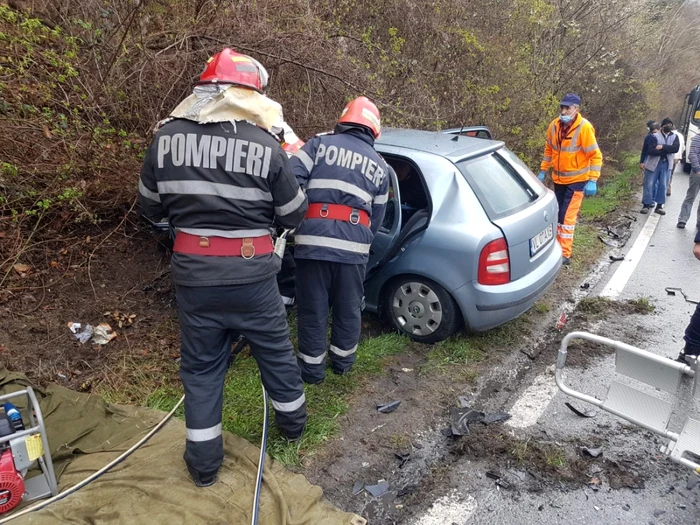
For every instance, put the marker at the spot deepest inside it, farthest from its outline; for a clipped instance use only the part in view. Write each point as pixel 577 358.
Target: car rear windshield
pixel 497 185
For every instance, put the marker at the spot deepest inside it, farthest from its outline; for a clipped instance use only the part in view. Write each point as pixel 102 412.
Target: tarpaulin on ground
pixel 152 486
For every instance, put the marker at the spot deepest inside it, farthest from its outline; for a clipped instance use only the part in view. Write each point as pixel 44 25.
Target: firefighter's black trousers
pixel 210 318
pixel 320 287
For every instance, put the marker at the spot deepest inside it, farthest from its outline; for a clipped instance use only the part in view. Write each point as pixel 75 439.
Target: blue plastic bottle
pixel 14 416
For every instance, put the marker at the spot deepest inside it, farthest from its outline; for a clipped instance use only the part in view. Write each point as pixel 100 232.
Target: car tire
pixel 422 309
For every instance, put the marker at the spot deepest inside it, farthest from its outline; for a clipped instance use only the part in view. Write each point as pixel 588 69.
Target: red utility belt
pixel 339 212
pixel 247 247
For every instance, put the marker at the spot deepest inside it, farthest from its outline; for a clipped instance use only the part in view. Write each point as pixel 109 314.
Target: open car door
pixel 388 233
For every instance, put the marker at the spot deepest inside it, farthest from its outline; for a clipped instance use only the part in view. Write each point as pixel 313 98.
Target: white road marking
pixel 533 402
pixel 453 508
pixel 623 273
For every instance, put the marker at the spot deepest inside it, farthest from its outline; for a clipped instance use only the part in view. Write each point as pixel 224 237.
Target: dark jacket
pixel 220 180
pixel 649 144
pixel 340 168
pixel 669 146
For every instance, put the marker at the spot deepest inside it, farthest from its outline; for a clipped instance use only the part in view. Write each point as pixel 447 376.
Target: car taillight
pixel 494 264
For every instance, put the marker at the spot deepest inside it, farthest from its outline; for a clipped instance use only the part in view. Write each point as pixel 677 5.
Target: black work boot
pixel 660 209
pixel 689 354
pixel 312 380
pixel 644 210
pixel 201 480
pixel 293 437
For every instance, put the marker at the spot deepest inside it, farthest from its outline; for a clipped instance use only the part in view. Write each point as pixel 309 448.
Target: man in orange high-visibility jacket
pixel 572 152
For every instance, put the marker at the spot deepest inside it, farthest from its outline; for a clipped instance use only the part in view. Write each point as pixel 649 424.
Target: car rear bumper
pixel 485 307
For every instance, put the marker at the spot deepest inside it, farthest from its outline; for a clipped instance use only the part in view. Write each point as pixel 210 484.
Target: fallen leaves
pixel 122 319
pixel 22 269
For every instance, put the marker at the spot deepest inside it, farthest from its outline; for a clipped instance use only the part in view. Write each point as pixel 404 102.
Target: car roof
pixel 453 147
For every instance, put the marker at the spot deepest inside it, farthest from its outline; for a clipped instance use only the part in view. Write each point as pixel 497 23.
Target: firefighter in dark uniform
pixel 223 186
pixel 347 185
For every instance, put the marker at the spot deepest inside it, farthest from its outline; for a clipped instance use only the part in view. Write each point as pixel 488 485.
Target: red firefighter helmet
pixel 229 67
pixel 362 112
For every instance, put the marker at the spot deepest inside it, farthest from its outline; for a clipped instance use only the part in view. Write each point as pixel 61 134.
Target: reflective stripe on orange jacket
pixel 575 157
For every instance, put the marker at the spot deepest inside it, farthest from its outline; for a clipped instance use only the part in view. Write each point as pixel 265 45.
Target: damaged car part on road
pixel 580 413
pixel 461 418
pixel 387 408
pixel 379 489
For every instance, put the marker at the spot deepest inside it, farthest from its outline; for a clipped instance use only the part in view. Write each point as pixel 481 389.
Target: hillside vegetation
pixel 83 82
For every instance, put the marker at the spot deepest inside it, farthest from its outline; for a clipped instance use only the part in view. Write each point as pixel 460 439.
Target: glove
pixel 590 189
pixel 541 176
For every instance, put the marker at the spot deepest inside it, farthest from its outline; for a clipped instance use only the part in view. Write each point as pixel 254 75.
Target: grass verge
pixel 617 187
pixel 243 403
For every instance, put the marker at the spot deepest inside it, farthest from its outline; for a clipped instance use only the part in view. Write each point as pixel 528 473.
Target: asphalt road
pixel 666 261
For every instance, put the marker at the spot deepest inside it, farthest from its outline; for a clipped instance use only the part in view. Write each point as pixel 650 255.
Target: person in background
pixel 677 157
pixel 693 185
pixel 650 143
pixel 657 168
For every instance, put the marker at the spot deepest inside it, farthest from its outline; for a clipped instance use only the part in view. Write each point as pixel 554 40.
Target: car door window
pixel 390 213
pixel 497 185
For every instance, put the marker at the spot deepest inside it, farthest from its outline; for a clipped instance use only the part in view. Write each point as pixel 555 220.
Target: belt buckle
pixel 354 217
pixel 204 242
pixel 248 248
pixel 324 211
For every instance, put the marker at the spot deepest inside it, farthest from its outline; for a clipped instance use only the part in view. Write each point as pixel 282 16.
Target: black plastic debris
pixel 579 413
pixel 612 233
pixel 358 487
pixel 592 452
pixel 496 417
pixel 461 418
pixel 606 242
pixel 379 489
pixel 386 408
pixel 408 489
pixel 496 476
pixel 532 356
pixel 403 457
pixel 616 258
pixel 585 286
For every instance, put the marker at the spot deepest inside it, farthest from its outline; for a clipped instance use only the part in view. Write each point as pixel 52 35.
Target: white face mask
pixel 566 118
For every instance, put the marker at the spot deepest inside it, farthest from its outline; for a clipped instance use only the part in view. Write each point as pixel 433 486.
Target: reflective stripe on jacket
pixel 341 168
pixel 573 156
pixel 220 180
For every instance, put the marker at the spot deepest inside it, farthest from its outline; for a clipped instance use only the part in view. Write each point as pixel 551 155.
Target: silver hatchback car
pixel 469 238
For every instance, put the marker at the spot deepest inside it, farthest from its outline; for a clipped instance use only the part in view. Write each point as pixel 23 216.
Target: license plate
pixel 540 240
